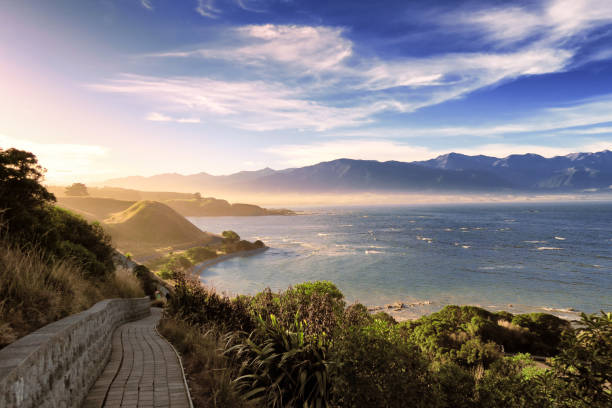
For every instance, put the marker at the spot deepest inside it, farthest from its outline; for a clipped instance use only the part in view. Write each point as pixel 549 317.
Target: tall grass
pixel 36 291
pixel 210 372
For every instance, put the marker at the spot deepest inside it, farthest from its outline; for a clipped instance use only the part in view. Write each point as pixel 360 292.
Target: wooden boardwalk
pixel 143 370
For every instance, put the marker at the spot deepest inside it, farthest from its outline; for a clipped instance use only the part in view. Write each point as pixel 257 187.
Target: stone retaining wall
pixel 56 365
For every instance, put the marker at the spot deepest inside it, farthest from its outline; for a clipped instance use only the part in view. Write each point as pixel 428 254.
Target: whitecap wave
pixel 549 248
pixel 560 238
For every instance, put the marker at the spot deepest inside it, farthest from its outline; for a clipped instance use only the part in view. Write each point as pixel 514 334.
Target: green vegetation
pixel 304 347
pixel 175 263
pixel 52 262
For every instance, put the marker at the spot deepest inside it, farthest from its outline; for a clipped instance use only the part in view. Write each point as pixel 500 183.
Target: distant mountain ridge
pixel 452 172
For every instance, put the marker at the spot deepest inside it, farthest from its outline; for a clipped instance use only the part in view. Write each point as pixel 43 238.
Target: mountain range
pixel 452 172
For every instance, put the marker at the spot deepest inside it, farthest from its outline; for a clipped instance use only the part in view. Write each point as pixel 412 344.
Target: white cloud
pixel 65 162
pixel 249 105
pixel 311 77
pixel 206 8
pixel 147 4
pixel 553 21
pixel 160 117
pixel 297 155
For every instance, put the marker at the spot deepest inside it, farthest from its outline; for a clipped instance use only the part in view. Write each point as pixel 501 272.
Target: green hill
pixel 151 222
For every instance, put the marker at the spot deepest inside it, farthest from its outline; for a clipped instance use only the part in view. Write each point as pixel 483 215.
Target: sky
pixel 107 88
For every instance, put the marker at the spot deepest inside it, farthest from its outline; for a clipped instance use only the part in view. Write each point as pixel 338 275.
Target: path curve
pixel 143 370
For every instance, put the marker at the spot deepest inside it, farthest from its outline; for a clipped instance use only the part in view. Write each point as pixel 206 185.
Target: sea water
pixel 517 257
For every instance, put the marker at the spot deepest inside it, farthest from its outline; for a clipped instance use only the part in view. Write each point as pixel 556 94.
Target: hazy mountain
pixel 450 172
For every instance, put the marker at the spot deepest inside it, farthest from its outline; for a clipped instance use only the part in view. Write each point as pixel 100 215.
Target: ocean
pixel 528 257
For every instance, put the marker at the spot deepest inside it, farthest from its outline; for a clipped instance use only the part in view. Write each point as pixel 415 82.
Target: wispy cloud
pixel 160 117
pixel 248 105
pixel 147 4
pixel 311 77
pixel 206 8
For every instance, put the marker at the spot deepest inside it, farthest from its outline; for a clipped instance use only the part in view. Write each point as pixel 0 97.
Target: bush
pixel 584 365
pixel 230 236
pixel 504 385
pixel 319 303
pixel 148 283
pixel 199 306
pixel 545 331
pixel 375 367
pixel 281 368
pixel 357 315
pixel 454 386
pixel 87 244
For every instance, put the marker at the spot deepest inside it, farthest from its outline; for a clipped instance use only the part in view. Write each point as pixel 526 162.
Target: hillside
pixel 103 202
pixel 452 172
pixel 151 222
pixel 210 207
pixel 94 208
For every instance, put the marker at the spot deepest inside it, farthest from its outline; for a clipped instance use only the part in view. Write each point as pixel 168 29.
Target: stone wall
pixel 56 365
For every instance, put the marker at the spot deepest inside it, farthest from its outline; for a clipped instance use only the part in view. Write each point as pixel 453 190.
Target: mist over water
pixel 534 257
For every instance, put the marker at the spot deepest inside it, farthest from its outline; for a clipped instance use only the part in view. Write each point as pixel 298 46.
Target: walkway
pixel 143 370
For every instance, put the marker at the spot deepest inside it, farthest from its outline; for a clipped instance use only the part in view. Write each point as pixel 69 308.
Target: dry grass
pixel 209 372
pixel 126 284
pixel 36 292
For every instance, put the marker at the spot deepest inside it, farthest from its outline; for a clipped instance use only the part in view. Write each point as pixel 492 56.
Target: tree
pixel 24 201
pixel 230 236
pixel 585 362
pixel 197 196
pixel 77 190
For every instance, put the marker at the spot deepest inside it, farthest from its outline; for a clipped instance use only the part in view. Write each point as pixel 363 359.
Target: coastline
pixel 201 267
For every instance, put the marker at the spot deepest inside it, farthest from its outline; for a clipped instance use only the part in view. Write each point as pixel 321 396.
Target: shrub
pixel 319 303
pixel 453 386
pixel 281 368
pixel 504 385
pixel 88 244
pixel 375 367
pixel 230 236
pixel 357 315
pixel 148 283
pixel 585 363
pixel 199 306
pixel 545 331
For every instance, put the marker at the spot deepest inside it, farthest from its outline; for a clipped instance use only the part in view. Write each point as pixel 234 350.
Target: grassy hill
pixel 151 222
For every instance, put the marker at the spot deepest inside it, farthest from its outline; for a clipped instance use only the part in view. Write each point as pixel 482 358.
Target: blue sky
pixel 111 87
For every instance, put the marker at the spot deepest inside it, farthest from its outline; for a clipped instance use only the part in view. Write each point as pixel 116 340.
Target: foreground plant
pixel 281 368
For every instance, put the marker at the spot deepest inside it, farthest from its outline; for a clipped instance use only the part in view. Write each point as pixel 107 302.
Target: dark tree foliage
pixel 23 200
pixel 31 219
pixel 87 244
pixel 196 305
